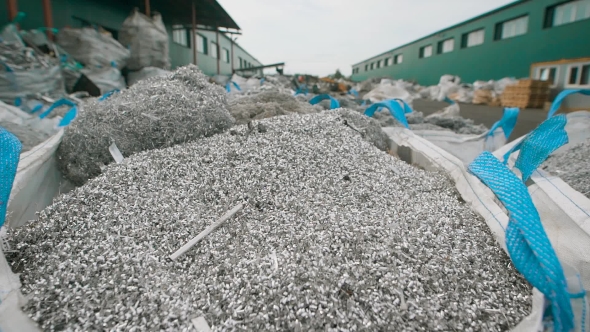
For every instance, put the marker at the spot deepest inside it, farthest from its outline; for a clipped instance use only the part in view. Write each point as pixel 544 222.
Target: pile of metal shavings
pixel 267 104
pixel 344 102
pixel 154 113
pixel 418 121
pixel 385 119
pixel 572 166
pixel 276 83
pixel 458 124
pixel 335 235
pixel 27 135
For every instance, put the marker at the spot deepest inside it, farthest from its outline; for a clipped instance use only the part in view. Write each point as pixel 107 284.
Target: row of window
pixel 181 36
pixel 556 15
pixel 245 64
pixel 577 75
pixel 396 60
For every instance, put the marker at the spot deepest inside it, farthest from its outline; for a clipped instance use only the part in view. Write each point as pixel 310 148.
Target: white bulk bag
pixel 425 154
pixel 387 91
pixel 37 182
pixel 240 82
pixel 93 48
pixel 106 79
pixel 16 83
pixel 565 212
pixel 147 39
pixel 464 147
pixel 38 179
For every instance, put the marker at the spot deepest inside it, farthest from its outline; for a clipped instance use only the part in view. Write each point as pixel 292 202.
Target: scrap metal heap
pixel 572 166
pixel 154 113
pixel 335 234
pixel 266 104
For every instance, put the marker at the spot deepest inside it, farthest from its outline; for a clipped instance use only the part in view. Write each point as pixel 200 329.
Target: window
pixel 355 70
pixel 426 51
pixel 367 67
pixel 446 46
pixel 225 54
pixel 214 49
pixel 386 62
pixel 568 12
pixel 372 65
pixel 398 59
pixel 472 38
pixel 547 74
pixel 512 28
pixel 180 35
pixel 578 75
pixel 201 44
pixel 241 62
pixel 379 64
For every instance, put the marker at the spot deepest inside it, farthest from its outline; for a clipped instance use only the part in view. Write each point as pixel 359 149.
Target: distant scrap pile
pixel 25 70
pixel 81 59
pixel 267 104
pixel 154 113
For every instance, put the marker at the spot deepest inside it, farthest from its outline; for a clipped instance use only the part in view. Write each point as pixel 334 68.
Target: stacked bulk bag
pixel 147 39
pixel 92 47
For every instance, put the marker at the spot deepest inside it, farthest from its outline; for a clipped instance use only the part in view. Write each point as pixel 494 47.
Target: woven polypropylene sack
pixel 425 154
pixel 106 79
pixel 147 39
pixel 468 147
pixel 93 48
pixel 20 83
pixel 9 155
pixel 565 212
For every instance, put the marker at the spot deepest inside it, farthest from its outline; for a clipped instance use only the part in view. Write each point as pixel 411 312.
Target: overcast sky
pixel 319 36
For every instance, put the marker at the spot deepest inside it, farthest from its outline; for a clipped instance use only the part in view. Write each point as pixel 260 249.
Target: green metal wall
pixel 493 59
pixel 111 14
pixel 108 13
pixel 209 64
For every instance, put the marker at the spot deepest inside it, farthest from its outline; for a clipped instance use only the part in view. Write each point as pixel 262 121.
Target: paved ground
pixel 528 119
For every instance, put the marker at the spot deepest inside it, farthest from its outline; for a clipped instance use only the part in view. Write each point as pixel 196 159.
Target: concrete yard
pixel 528 119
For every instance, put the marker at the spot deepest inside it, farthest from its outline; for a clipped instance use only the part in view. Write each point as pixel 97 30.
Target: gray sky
pixel 319 36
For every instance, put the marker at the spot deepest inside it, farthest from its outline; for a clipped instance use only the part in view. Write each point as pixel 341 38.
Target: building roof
pixel 208 12
pixel 491 12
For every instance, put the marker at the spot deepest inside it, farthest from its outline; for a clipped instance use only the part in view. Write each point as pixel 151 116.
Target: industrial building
pixel 203 23
pixel 541 39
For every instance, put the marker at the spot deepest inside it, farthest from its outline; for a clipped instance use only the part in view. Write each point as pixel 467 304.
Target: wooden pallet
pixel 524 101
pixel 526 93
pixel 516 89
pixel 528 82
